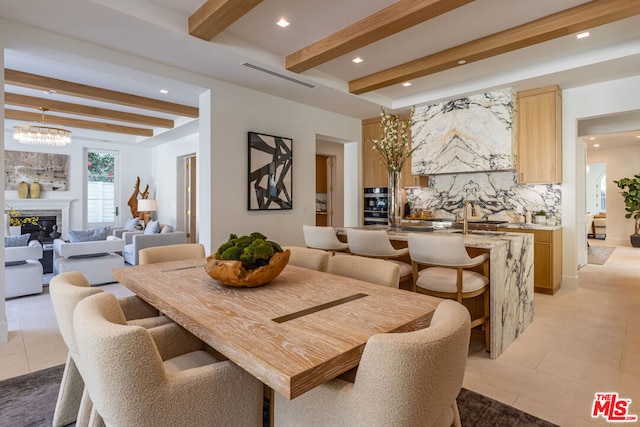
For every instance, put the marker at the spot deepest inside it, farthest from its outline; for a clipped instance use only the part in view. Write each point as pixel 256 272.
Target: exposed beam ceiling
pixel 573 20
pixel 214 16
pixel 85 110
pixel 384 23
pixel 66 121
pixel 35 81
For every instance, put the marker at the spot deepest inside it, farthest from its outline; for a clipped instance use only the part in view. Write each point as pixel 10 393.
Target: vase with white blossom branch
pixel 395 148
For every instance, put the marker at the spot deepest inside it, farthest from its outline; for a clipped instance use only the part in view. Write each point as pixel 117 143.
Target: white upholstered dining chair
pixel 141 378
pixel 376 244
pixel 315 259
pixel 447 273
pixel 324 238
pixel 66 290
pixel 378 271
pixel 171 253
pixel 404 379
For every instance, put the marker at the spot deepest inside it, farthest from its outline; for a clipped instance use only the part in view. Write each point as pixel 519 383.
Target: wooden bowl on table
pixel 232 273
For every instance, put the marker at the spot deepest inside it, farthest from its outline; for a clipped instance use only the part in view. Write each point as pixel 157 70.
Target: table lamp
pixel 146 206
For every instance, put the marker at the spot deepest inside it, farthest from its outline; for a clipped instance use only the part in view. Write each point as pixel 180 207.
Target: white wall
pixel 236 111
pixel 600 99
pixel 621 163
pixel 4 329
pixel 164 159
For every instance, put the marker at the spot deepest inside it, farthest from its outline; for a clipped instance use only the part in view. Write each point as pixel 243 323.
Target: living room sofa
pixel 23 270
pixel 136 240
pixel 94 259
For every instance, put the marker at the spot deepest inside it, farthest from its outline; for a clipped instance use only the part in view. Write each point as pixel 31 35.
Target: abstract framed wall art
pixel 51 171
pixel 270 168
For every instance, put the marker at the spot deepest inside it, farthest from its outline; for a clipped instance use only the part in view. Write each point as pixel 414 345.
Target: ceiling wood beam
pixel 384 23
pixel 85 110
pixel 84 124
pixel 34 81
pixel 570 21
pixel 214 16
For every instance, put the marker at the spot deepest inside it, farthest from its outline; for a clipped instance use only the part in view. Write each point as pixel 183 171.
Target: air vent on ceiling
pixel 282 76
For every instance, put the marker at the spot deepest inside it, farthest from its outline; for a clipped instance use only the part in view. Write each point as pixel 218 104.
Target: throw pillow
pixel 166 229
pixel 89 235
pixel 19 240
pixel 131 223
pixel 153 227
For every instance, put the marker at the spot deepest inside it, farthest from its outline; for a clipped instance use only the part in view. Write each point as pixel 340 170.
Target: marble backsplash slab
pixel 471 134
pixel 496 195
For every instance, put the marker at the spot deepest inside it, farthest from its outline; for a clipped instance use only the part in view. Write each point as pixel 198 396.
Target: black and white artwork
pixel 270 164
pixel 51 171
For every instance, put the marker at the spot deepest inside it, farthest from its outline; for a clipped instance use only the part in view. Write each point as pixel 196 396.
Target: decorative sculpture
pixel 133 200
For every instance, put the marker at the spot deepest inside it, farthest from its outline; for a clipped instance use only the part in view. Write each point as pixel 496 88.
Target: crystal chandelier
pixel 41 135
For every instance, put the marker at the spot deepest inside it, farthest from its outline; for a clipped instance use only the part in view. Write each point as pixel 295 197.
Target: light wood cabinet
pixel 321 173
pixel 539 123
pixel 547 259
pixel 374 174
pixel 322 219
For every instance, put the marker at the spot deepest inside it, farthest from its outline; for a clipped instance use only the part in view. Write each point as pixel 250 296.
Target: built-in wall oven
pixel 376 201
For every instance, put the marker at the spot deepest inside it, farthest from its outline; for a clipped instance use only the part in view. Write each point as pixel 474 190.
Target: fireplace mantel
pixel 44 204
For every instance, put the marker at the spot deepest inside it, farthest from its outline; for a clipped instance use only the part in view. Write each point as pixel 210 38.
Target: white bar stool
pixel 446 275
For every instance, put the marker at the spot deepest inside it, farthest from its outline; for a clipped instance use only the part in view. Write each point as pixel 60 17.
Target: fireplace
pixel 45 208
pixel 40 231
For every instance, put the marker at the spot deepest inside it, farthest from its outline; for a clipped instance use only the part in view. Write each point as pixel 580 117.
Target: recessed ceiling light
pixel 582 35
pixel 637 136
pixel 406 84
pixel 596 145
pixel 164 91
pixel 283 23
pixel 462 62
pixel 357 60
pixel 592 138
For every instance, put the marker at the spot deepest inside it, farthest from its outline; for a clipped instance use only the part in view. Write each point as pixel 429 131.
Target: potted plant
pixel 541 217
pixel 631 192
pixel 247 261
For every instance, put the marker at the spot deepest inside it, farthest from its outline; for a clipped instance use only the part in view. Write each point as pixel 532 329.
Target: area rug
pixel 599 254
pixel 29 400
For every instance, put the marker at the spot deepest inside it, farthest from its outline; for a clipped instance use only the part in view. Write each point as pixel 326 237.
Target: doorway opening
pixel 187 186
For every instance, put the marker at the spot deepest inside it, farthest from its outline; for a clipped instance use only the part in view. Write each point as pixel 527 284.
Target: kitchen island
pixel 511 280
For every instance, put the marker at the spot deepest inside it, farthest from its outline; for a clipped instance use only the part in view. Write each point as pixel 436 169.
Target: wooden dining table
pixel 300 330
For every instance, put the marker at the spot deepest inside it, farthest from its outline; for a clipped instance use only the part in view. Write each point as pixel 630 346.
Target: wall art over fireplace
pixel 51 171
pixel 270 163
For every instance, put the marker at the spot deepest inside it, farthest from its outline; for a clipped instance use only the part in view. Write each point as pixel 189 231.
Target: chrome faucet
pixel 465 222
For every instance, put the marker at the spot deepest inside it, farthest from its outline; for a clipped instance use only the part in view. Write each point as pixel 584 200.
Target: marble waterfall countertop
pixel 529 226
pixel 511 280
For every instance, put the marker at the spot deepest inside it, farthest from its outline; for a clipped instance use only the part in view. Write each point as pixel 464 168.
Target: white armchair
pixel 95 259
pixel 22 270
pixel 136 240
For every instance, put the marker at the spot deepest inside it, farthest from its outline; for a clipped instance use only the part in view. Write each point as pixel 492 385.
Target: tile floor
pixel 581 342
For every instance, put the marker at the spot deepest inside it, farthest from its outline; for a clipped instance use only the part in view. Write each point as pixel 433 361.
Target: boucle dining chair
pixel 371 270
pixel 447 273
pixel 314 259
pixel 376 244
pixel 171 253
pixel 139 378
pixel 66 290
pixel 404 379
pixel 324 238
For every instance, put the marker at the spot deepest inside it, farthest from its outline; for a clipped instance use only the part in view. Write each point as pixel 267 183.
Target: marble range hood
pixel 473 134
